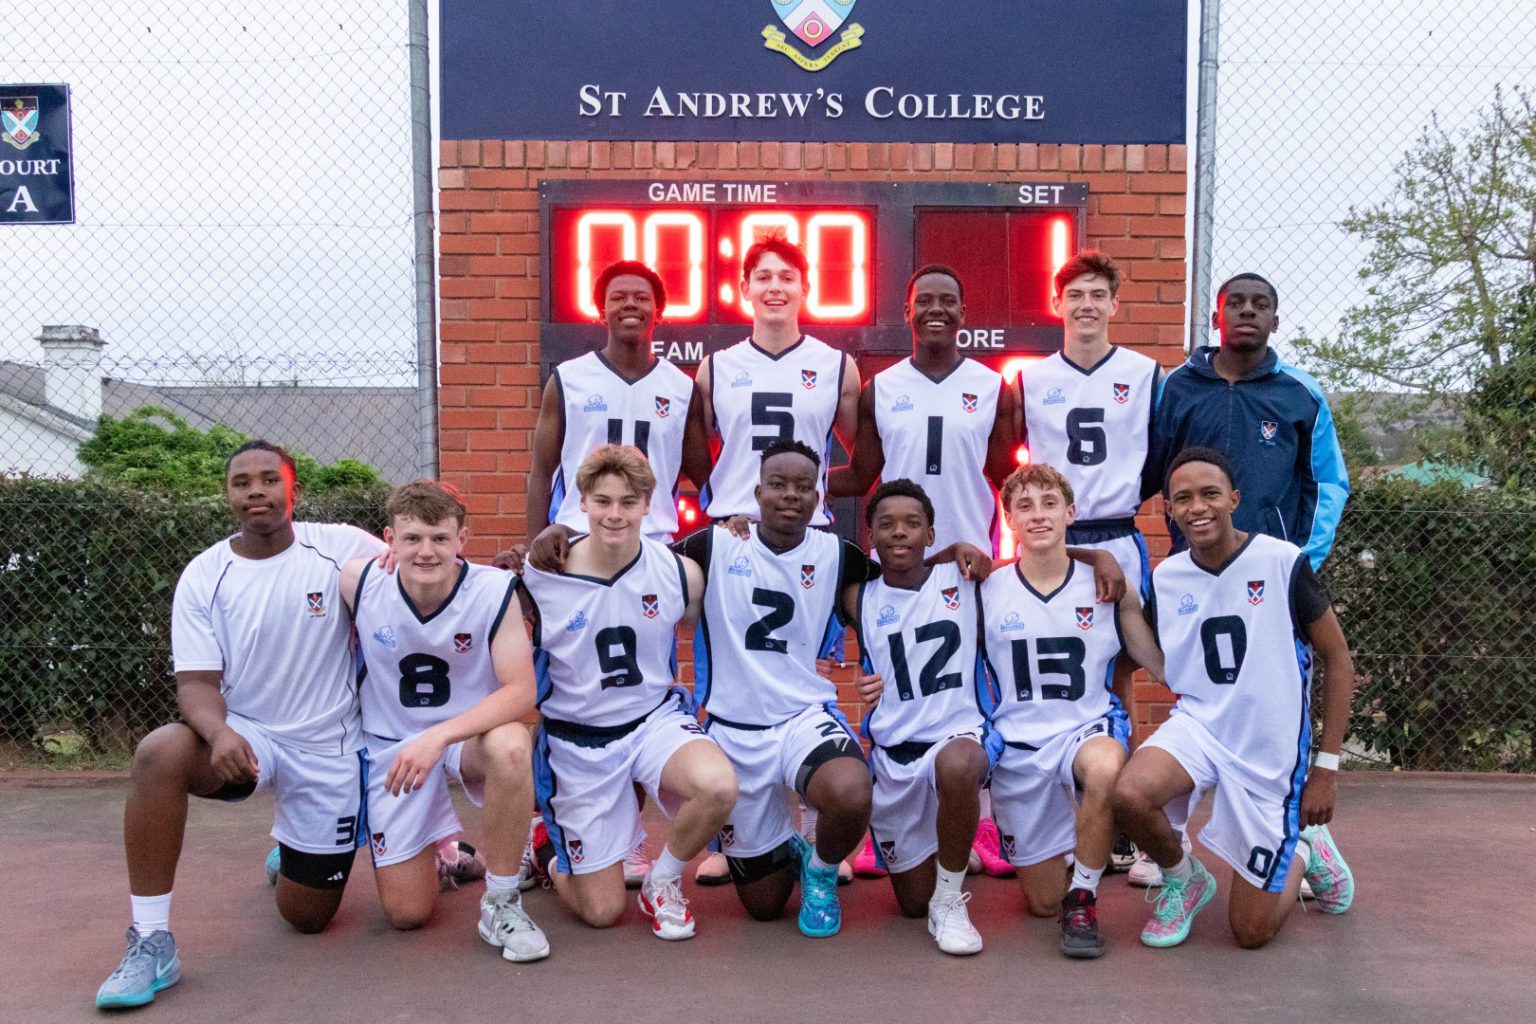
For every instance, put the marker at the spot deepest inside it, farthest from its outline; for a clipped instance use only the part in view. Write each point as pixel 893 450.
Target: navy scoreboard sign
pixel 862 240
pixel 37 181
pixel 1044 71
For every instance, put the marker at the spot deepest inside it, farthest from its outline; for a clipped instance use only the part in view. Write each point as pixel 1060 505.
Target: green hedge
pixel 1442 624
pixel 85 600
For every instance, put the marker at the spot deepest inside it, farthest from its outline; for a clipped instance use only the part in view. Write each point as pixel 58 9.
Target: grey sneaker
pixel 504 923
pixel 466 866
pixel 150 965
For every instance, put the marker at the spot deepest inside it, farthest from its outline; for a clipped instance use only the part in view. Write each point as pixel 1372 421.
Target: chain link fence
pixel 1378 163
pixel 242 264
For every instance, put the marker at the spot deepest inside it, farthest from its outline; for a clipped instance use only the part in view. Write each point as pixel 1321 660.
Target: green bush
pixel 1440 623
pixel 85 601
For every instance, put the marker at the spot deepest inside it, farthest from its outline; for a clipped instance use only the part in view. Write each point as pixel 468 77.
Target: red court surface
pixel 1443 929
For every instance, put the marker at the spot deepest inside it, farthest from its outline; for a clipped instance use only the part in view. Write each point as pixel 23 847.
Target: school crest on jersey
pixel 1122 393
pixel 888 850
pixel 951 597
pixel 1255 591
pixel 808 379
pixel 727 835
pixel 663 407
pixel 574 851
pixel 1085 618
pixel 315 603
pixel 968 402
pixel 807 576
pixel 650 605
pixel 1010 848
pixel 1267 431
pixel 380 848
pixel 463 643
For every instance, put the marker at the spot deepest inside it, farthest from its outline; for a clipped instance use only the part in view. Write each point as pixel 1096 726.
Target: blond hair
pixel 624 461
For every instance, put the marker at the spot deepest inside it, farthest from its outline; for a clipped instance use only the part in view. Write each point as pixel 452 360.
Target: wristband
pixel 1328 761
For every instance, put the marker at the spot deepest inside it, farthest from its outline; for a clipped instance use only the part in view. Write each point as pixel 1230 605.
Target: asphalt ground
pixel 1443 929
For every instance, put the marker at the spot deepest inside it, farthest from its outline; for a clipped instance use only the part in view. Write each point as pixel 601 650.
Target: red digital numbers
pixel 671 241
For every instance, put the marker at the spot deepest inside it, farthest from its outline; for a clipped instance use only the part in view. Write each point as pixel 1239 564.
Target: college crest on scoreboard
pixel 813 22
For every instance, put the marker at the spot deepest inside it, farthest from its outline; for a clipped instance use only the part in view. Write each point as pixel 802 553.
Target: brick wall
pixel 489 272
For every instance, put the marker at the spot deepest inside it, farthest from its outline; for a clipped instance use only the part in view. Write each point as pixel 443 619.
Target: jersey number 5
pixel 772 409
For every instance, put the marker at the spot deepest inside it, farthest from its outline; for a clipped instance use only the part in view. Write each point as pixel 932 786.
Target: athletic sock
pixel 666 867
pixel 1303 853
pixel 151 913
pixel 986 802
pixel 807 820
pixel 499 883
pixel 1086 878
pixel 947 881
pixel 1184 870
pixel 820 865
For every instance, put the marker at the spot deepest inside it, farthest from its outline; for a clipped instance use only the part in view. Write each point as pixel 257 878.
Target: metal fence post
pixel 426 264
pixel 1205 173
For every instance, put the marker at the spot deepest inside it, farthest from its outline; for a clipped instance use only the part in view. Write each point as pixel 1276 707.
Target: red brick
pixel 465 330
pixel 1135 158
pixel 534 153
pixel 467 289
pixel 463 199
pixel 466 462
pixel 490 153
pixel 1159 183
pixel 580 153
pixel 1171 248
pixel 467 374
pixel 1169 270
pixel 452 266
pixel 1130 248
pixel 1114 158
pixel 858 156
pixel 503 223
pixel 813 155
pixel 1157 227
pixel 944 156
pixel 1176 205
pixel 497 266
pixel 1107 227
pixel 747 155
pixel 1170 292
pixel 516 287
pixel 1121 203
pixel 727 155
pixel 621 155
pixel 469 153
pixel 666 154
pixel 769 156
pixel 466 244
pixel 1150 313
pixel 922 156
pixel 836 156
pixel 451 178
pixel 512 154
pixel 1093 158
pixel 792 154
pixel 447 154
pixel 467 419
pixel 965 158
pixel 645 155
pixel 1071 158
pixel 497 178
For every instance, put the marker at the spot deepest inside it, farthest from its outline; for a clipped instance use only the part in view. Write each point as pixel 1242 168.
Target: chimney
pixel 72 361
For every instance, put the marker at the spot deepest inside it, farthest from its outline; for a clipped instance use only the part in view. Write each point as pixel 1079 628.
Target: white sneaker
pixel 458 863
pixel 504 923
pixel 950 924
pixel 1306 890
pixel 636 866
pixel 664 904
pixel 973 865
pixel 1144 872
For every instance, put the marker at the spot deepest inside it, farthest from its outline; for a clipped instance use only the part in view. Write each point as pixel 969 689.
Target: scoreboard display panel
pixel 861 239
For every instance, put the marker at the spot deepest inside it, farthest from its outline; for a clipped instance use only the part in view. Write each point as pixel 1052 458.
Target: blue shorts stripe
pixel 544 788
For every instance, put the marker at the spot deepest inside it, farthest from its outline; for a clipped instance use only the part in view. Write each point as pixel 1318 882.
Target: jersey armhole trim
pixel 501 612
pixel 357 595
pixel 682 577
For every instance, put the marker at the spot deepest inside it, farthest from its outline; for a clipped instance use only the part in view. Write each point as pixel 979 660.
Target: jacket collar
pixel 1200 362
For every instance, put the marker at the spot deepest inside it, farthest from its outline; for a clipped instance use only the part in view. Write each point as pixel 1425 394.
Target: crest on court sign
pixel 18 120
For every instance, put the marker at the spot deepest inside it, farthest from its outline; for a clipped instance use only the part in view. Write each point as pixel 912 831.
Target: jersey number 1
pixel 929 680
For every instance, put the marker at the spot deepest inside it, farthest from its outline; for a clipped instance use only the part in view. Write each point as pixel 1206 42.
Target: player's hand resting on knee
pixel 233 758
pixel 1318 796
pixel 413 764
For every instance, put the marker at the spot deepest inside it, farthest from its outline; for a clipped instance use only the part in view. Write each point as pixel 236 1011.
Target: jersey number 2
pixel 781 609
pixel 929 680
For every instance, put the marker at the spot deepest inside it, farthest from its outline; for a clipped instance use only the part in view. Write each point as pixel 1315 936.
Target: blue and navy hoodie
pixel 1275 426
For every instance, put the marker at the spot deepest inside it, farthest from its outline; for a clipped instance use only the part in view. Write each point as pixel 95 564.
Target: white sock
pixel 947 882
pixel 151 913
pixel 1183 871
pixel 986 803
pixel 818 864
pixel 499 883
pixel 1086 878
pixel 1303 853
pixel 807 820
pixel 667 867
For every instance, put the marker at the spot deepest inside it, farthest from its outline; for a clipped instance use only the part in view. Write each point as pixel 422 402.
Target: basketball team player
pixel 1088 411
pixel 265 688
pixel 620 394
pixel 1240 618
pixel 605 630
pixel 445 678
pixel 916 626
pixel 1062 715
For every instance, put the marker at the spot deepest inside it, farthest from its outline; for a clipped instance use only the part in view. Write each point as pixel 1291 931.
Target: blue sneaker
pixel 150 965
pixel 273 864
pixel 820 913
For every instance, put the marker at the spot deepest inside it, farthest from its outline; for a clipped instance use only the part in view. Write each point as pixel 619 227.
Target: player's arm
pixel 202 707
pixel 855 479
pixel 1140 642
pixel 546 456
pixel 847 423
pixel 698 460
pixel 546 552
pixel 1108 577
pixel 1004 439
pixel 693 573
pixel 351 576
pixel 512 660
pixel 1332 650
pixel 975 564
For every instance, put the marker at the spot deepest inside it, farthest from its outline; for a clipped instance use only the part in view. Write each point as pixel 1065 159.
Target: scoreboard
pixel 861 239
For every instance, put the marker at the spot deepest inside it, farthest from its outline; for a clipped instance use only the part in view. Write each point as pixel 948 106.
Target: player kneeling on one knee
pixel 448 673
pixel 917 637
pixel 1051 646
pixel 1240 618
pixel 606 627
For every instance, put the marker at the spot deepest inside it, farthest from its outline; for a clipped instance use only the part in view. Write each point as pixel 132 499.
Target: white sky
pixel 243 177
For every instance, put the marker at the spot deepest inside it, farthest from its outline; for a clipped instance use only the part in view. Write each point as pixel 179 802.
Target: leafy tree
pixel 1450 251
pixel 1500 432
pixel 154 449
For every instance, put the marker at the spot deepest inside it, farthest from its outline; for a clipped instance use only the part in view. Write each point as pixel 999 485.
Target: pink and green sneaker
pixel 1177 904
pixel 1333 884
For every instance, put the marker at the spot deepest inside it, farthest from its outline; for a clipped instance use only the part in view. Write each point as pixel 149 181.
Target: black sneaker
pixel 1080 925
pixel 1122 856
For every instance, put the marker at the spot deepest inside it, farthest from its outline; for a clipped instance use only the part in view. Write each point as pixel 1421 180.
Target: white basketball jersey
pixel 935 433
pixel 600 407
pixel 923 645
pixel 278 631
pixel 1092 424
pixel 606 648
pixel 1052 656
pixel 767 618
pixel 759 399
pixel 421 670
pixel 1236 657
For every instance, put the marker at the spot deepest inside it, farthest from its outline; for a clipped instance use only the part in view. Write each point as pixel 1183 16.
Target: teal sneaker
pixel 820 913
pixel 273 864
pixel 1177 904
pixel 1333 884
pixel 150 965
